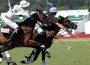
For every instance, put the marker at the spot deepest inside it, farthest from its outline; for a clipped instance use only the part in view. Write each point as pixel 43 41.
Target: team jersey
pixel 52 19
pixel 16 12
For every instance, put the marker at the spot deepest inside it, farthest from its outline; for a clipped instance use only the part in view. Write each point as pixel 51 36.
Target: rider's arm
pixel 60 26
pixel 11 14
pixel 20 11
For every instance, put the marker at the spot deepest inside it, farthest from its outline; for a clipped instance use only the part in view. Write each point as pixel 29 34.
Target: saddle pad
pixel 4 30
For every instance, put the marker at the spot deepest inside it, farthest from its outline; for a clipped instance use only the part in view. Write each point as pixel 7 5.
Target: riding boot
pixel 10 39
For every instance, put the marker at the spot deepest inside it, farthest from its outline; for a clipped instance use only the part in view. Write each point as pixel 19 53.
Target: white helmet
pixel 53 9
pixel 24 3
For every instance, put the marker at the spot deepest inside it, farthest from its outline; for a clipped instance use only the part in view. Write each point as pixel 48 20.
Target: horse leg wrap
pixel 48 54
pixel 43 48
pixel 29 58
pixel 8 59
pixel 1 53
pixel 43 63
pixel 7 54
pixel 1 60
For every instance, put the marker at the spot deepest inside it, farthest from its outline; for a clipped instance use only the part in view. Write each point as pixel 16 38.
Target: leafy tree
pixel 42 4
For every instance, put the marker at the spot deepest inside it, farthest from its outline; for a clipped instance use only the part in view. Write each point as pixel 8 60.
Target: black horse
pixel 47 39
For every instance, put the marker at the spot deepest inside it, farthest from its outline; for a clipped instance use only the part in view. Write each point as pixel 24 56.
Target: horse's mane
pixel 52 26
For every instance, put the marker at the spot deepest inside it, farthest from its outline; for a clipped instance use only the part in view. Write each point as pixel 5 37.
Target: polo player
pixel 17 11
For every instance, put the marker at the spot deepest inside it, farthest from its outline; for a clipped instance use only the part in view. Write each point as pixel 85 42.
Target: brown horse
pixel 23 37
pixel 48 40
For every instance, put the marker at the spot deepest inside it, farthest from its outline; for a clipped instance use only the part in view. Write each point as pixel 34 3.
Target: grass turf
pixel 79 54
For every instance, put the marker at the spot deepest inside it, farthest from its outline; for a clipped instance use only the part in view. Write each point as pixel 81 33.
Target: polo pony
pixel 47 39
pixel 23 37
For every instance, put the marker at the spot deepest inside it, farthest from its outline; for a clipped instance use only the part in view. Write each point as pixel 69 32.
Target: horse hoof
pixel 23 61
pixel 8 63
pixel 0 61
pixel 26 57
pixel 48 54
pixel 26 62
pixel 14 63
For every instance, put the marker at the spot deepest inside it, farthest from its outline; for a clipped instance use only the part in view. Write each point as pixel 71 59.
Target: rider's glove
pixel 69 31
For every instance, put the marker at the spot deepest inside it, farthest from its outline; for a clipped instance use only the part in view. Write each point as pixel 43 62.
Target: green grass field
pixel 79 54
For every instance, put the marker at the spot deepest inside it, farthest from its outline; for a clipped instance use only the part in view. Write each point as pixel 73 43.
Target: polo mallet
pixel 68 47
pixel 82 40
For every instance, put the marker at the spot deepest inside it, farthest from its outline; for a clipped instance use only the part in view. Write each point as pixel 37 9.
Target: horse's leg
pixel 43 58
pixel 33 56
pixel 1 57
pixel 37 54
pixel 7 56
pixel 34 43
pixel 4 49
pixel 48 54
pixel 30 57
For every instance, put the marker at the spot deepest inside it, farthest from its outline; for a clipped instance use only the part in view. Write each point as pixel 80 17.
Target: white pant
pixel 38 28
pixel 9 22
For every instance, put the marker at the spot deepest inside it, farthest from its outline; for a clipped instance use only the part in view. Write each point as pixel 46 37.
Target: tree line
pixel 43 5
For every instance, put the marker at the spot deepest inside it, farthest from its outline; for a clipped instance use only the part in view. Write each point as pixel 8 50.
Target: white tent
pixel 84 25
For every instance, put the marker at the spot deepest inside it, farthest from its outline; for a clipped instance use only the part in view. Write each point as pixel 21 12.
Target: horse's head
pixel 67 23
pixel 30 22
pixel 39 16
